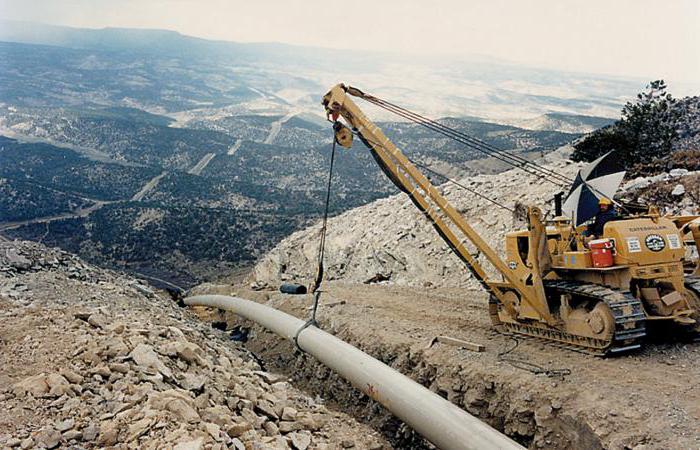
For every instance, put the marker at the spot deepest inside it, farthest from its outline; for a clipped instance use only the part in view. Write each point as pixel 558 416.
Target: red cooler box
pixel 602 252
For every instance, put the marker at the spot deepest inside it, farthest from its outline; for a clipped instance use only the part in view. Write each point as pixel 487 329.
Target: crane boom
pixel 527 281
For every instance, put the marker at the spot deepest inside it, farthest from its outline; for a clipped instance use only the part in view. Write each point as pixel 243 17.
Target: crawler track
pixel 627 311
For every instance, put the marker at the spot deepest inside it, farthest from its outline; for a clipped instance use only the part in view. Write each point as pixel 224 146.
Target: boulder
pixel 65 425
pixel 300 440
pixel 36 385
pixel 214 430
pixel 177 402
pixel 289 414
pixel 192 382
pixel 58 385
pixel 678 172
pixel 146 358
pixel 266 408
pixel 71 376
pixel 139 428
pixel 238 428
pixel 109 434
pixel 49 438
pixel 185 350
pixel 16 260
pixel 97 320
pixel 196 444
pixel 678 190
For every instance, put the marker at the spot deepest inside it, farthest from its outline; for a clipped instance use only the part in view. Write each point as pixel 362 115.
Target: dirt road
pixel 649 399
pixel 148 187
pixel 83 212
pixel 232 151
pixel 202 164
pixel 276 127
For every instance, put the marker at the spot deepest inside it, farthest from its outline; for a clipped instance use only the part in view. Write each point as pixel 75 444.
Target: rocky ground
pixel 394 286
pixel 92 359
pixel 540 395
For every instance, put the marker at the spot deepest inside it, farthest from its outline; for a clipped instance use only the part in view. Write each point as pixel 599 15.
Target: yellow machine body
pixel 649 256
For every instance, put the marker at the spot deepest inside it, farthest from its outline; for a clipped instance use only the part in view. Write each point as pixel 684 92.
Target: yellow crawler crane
pixel 549 287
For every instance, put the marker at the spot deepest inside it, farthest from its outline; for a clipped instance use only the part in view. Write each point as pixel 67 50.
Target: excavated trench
pixel 524 412
pixel 531 421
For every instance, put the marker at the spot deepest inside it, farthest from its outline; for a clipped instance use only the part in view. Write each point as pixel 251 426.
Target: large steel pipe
pixel 439 421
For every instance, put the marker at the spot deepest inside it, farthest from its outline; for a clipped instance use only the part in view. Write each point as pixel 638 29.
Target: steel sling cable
pixel 451 180
pixel 321 252
pixel 457 183
pixel 501 155
pixel 324 226
pixel 474 140
pixel 425 121
pixel 506 159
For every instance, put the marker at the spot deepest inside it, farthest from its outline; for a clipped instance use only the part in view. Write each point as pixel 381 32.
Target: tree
pixel 645 132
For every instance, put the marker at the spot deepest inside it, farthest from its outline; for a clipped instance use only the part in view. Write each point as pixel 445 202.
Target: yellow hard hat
pixel 604 201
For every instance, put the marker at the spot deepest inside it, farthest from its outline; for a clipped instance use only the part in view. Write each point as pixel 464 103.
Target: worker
pixel 606 213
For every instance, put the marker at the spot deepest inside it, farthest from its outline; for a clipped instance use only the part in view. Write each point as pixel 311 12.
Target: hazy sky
pixel 644 38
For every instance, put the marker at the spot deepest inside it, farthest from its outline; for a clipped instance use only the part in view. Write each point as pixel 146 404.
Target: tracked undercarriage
pixel 608 321
pixel 692 285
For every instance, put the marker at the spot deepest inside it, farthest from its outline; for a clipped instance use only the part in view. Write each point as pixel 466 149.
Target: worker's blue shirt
pixel 603 217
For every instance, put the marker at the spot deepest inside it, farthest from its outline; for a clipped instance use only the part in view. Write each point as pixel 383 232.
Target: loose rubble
pixel 92 359
pixel 540 395
pixel 675 192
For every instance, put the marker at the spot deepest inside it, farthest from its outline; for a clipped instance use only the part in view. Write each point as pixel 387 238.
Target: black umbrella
pixel 601 178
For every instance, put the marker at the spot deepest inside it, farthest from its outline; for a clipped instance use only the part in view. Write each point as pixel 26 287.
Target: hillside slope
pixel 93 359
pixel 392 239
pixel 389 239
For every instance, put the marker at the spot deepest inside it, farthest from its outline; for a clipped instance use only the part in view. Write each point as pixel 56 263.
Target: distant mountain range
pixel 183 158
pixel 210 74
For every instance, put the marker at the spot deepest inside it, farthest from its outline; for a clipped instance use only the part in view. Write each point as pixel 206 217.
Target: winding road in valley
pixel 151 184
pixel 84 212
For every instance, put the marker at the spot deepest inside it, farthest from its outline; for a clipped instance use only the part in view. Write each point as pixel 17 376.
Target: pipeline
pixel 442 423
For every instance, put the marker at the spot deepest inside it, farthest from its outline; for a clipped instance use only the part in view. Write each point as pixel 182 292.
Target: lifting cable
pixel 477 144
pixel 501 155
pixel 456 183
pixel 324 226
pixel 472 142
pixel 435 172
pixel 315 288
